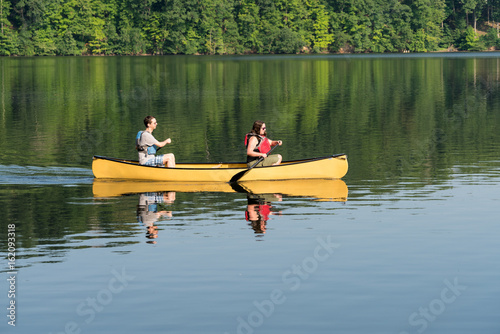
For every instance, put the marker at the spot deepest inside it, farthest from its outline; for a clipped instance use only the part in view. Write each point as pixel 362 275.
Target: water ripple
pixel 32 175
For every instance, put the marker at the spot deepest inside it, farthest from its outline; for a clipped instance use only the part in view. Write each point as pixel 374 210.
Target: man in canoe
pixel 258 145
pixel 147 145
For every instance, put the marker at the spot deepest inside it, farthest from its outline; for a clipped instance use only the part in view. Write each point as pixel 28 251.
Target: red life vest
pixel 263 145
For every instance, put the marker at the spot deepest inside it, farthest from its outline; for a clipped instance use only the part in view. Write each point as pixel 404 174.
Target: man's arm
pixel 163 143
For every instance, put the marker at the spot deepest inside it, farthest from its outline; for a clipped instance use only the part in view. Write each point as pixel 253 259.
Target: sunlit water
pixel 409 247
pixel 412 256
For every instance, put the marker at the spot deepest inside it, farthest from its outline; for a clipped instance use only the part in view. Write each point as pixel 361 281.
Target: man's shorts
pixel 272 159
pixel 156 161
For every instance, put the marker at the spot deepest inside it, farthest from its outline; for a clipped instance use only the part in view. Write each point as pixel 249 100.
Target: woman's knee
pixel 278 161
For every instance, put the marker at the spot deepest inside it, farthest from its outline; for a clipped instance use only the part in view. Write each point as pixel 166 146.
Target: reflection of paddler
pixel 148 213
pixel 259 210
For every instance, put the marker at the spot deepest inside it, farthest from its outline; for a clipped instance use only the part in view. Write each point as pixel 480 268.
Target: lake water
pixel 405 243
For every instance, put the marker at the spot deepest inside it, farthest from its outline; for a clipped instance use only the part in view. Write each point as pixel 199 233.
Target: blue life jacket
pixel 149 149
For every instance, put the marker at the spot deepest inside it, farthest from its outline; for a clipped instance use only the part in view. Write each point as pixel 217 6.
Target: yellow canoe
pixel 320 189
pixel 330 167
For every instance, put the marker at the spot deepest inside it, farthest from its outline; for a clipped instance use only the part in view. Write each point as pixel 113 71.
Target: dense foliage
pixel 129 27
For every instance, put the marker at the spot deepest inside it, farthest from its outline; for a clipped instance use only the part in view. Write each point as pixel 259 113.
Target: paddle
pixel 239 175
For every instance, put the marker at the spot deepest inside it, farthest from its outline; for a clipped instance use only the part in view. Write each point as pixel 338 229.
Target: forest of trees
pixel 160 27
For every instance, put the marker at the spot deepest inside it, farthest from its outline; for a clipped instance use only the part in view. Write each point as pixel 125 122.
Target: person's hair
pixel 147 120
pixel 257 125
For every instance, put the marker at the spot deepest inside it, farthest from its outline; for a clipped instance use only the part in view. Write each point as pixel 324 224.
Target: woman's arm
pixel 275 142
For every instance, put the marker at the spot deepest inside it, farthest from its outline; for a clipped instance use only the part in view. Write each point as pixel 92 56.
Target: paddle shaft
pixel 239 175
pixel 262 158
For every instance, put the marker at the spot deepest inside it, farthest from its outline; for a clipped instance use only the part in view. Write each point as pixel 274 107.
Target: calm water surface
pixel 405 243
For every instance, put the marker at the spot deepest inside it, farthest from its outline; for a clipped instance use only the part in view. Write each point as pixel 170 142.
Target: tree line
pixel 159 27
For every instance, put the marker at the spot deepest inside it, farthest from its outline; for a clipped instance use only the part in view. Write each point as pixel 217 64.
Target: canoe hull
pixel 318 168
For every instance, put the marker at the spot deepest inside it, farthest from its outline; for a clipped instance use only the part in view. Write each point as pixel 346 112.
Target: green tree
pixel 270 25
pixel 288 41
pixel 218 26
pixel 283 26
pixel 491 39
pixel 472 7
pixel 66 44
pixel 131 41
pixel 8 36
pixel 44 42
pixel 469 40
pixel 248 20
pixel 155 32
pixel 97 16
pixel 449 37
pixel 24 45
pixel 355 21
pixel 182 19
pixel 320 36
pixel 113 39
pixel 427 19
pixel 71 27
pixel 30 13
pixel 400 32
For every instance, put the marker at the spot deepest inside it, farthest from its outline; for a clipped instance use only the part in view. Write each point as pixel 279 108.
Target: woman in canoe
pixel 147 145
pixel 258 145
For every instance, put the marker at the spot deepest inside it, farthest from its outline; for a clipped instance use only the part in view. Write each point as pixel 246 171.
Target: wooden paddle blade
pixel 238 176
pixel 236 186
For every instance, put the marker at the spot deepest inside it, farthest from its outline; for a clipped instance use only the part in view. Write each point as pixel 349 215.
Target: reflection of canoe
pixel 110 188
pixel 324 189
pixel 331 167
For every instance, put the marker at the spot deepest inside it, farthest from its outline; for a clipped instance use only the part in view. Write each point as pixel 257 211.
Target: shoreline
pixel 260 54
